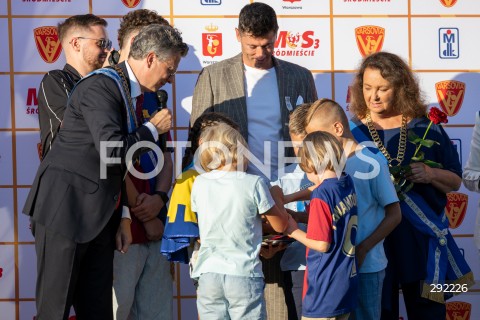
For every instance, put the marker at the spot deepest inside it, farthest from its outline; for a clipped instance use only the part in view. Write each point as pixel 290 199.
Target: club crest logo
pixel 212 42
pixel 369 39
pixel 131 3
pixel 448 3
pixel 48 45
pixel 456 208
pixel 450 95
pixel 458 310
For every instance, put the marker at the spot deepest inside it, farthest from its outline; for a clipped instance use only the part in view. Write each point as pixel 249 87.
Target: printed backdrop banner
pixel 438 38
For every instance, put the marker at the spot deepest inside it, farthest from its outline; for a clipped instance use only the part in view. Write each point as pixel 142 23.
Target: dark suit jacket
pixel 221 87
pixel 52 99
pixel 68 194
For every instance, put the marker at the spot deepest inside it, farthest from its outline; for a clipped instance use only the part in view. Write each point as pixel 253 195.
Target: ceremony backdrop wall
pixel 438 38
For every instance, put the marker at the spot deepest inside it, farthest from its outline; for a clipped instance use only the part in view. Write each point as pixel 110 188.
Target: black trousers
pixel 75 274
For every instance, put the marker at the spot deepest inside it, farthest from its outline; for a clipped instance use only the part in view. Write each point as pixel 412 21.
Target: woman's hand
pixel 421 173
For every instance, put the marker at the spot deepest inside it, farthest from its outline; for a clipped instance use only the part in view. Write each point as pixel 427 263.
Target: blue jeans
pixel 369 302
pixel 221 296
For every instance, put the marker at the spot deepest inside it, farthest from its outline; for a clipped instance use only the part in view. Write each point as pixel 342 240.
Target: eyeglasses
pixel 101 43
pixel 171 71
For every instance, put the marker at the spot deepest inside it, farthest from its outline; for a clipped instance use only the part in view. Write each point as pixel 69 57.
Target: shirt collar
pixel 135 89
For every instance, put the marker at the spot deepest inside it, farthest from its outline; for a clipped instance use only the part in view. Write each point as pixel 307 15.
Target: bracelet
pixel 163 196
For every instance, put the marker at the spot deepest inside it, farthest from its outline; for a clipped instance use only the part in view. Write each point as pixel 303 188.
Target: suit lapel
pixel 282 92
pixel 235 84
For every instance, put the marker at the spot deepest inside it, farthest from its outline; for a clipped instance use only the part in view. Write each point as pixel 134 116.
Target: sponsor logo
pixel 210 2
pixel 450 95
pixel 212 42
pixel 131 3
pixel 296 44
pixel 292 1
pixel 458 310
pixel 369 39
pixel 448 43
pixel 48 45
pixel 448 3
pixel 456 208
pixel 32 101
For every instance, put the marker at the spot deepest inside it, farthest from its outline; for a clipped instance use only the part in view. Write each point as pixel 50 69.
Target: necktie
pixel 139 109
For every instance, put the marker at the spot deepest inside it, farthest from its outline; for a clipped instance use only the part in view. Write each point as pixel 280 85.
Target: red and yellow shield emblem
pixel 448 3
pixel 458 310
pixel 48 45
pixel 212 42
pixel 456 208
pixel 450 95
pixel 131 3
pixel 369 39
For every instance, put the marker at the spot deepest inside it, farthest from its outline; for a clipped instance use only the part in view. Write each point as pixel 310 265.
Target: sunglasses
pixel 101 43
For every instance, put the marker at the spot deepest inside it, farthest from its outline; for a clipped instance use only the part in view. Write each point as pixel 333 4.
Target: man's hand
pixel 147 207
pixel 162 120
pixel 124 235
pixel 154 229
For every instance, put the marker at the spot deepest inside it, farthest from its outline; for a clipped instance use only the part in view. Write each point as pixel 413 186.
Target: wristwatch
pixel 163 196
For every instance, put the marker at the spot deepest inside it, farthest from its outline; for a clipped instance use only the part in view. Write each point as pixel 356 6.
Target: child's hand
pixel 269 251
pixel 291 227
pixel 154 229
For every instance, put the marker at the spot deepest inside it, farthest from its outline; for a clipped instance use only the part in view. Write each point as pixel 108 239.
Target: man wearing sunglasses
pixel 74 202
pixel 85 42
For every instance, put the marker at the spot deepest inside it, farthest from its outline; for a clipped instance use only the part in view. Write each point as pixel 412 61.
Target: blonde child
pixel 330 277
pixel 229 204
pixel 181 230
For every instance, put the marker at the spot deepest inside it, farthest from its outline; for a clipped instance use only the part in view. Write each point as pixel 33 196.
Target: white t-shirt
pixel 264 118
pixel 228 207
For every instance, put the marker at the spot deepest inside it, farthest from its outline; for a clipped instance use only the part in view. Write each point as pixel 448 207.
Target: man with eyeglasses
pixel 85 42
pixel 74 201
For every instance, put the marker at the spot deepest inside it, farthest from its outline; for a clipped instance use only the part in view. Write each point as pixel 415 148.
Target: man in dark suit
pixel 85 43
pixel 258 91
pixel 75 211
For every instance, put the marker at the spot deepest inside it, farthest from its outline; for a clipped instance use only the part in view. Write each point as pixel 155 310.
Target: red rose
pixel 437 116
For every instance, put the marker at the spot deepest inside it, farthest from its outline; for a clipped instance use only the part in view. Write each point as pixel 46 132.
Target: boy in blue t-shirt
pixel 378 207
pixel 331 278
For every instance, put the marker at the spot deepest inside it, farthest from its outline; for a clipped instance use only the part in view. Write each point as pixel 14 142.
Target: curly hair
pixel 408 98
pixel 205 120
pixel 136 20
pixel 257 19
pixel 81 21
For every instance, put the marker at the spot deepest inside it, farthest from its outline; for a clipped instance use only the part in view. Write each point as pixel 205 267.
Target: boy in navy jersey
pixel 330 288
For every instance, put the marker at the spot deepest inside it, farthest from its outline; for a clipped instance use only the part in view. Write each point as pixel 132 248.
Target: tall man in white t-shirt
pixel 258 91
pixel 254 88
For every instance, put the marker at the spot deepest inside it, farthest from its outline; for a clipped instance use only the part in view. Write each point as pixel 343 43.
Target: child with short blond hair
pixel 330 279
pixel 229 204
